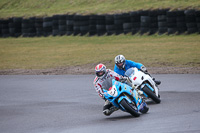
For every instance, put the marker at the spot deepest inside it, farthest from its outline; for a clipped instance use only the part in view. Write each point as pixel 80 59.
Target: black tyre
pixel 162 24
pixel 162 30
pixel 192 30
pixel 145 19
pixel 110 27
pixel 126 105
pixel 162 18
pixel 135 30
pixel 127 26
pixel 151 94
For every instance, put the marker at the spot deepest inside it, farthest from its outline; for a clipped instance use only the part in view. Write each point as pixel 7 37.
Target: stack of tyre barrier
pixel 191 23
pixel 25 27
pixel 55 25
pixel 127 25
pixel 92 25
pixel 15 27
pixel 110 25
pixel 70 24
pixel 39 26
pixel 181 23
pixel 101 25
pixel 153 27
pixel 161 21
pixel 135 21
pixel 47 26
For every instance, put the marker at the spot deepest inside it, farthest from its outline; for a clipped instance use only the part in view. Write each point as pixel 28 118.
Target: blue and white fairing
pixel 115 91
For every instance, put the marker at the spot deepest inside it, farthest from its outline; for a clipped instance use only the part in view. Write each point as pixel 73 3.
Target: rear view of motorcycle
pixel 144 84
pixel 124 97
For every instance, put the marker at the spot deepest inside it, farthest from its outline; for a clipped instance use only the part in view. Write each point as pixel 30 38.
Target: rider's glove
pixel 123 79
pixel 103 97
pixel 143 69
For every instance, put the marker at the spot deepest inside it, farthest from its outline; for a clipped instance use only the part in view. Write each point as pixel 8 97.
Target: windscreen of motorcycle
pixel 129 72
pixel 107 83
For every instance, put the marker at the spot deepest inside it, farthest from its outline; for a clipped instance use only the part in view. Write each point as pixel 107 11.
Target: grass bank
pixel 27 8
pixel 52 52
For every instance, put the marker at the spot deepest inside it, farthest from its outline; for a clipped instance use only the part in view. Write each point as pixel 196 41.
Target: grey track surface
pixel 69 104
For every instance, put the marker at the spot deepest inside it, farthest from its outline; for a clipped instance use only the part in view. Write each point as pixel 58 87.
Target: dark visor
pixel 100 73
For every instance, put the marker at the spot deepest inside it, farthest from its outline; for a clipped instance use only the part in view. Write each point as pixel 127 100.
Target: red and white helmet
pixel 100 71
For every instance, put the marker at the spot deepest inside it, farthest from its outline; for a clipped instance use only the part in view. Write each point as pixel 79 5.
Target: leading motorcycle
pixel 124 97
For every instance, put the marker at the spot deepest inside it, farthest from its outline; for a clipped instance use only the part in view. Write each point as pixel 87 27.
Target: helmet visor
pixel 120 64
pixel 99 74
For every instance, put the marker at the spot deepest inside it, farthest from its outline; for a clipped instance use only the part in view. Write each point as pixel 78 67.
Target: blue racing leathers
pixel 128 64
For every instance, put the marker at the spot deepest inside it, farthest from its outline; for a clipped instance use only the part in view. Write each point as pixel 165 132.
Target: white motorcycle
pixel 143 83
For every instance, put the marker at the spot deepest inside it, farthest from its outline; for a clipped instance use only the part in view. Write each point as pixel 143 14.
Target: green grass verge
pixel 52 52
pixel 27 8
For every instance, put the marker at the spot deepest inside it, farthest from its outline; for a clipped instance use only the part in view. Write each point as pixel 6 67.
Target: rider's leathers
pixel 98 82
pixel 128 64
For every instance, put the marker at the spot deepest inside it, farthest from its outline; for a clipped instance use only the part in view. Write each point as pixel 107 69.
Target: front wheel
pixel 151 94
pixel 129 108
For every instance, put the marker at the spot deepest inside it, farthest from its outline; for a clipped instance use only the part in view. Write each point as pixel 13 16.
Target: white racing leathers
pixel 98 82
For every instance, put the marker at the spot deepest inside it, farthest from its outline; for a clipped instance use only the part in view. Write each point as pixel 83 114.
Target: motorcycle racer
pixel 121 65
pixel 101 75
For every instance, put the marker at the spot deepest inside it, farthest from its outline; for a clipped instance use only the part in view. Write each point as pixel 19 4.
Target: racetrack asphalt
pixel 69 104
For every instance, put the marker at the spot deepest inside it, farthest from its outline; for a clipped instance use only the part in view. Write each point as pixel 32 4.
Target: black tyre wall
pixel 135 20
pixel 142 21
pixel 47 26
pixel 70 24
pixel 5 28
pixel 171 22
pixel 76 27
pixel 153 27
pixel 118 21
pixel 162 21
pixel 84 24
pixel 15 27
pixel 181 23
pixel 11 26
pixel 62 26
pixel 39 26
pixel 110 24
pixel 92 25
pixel 25 27
pixel 32 28
pixel 197 13
pixel 191 24
pixel 101 25
pixel 127 25
pixel 55 25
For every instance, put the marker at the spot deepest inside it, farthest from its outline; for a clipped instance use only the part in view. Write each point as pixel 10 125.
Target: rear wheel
pixel 129 108
pixel 151 94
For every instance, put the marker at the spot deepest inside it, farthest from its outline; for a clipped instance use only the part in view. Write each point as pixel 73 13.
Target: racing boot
pixel 108 108
pixel 158 82
pixel 143 107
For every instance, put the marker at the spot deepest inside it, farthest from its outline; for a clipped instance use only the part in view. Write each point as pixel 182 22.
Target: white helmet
pixel 120 61
pixel 100 71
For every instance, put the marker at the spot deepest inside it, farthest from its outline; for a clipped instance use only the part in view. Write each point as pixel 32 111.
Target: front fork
pixel 138 98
